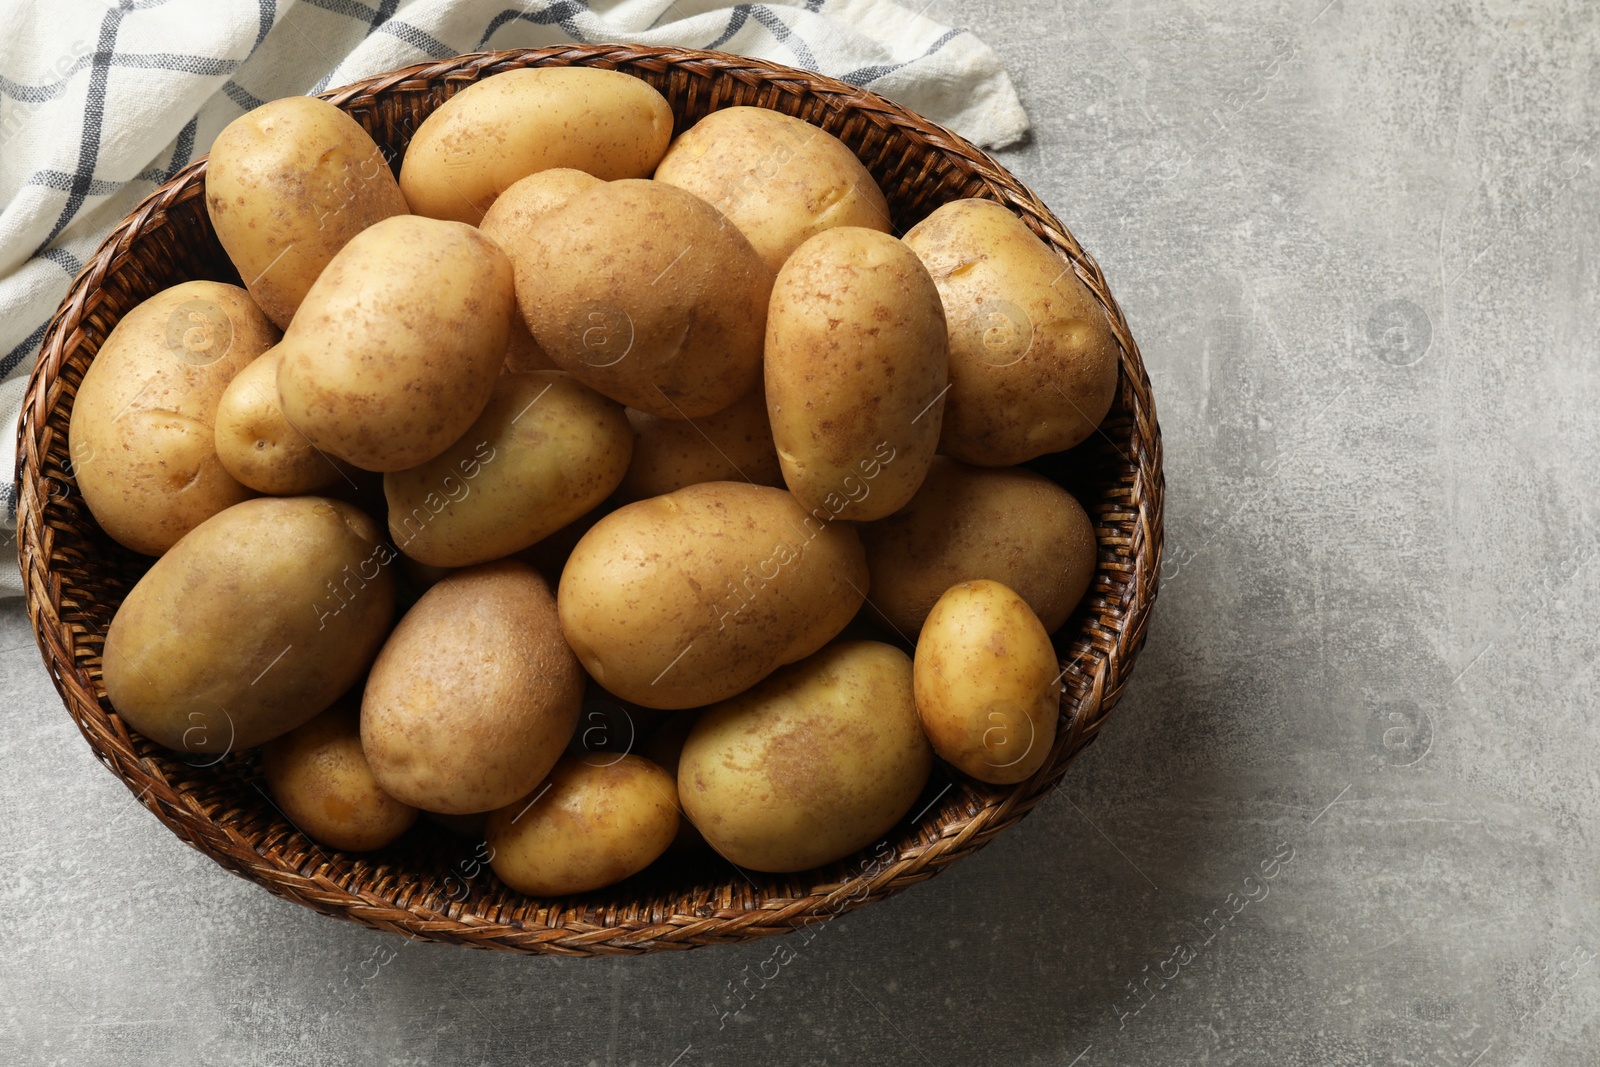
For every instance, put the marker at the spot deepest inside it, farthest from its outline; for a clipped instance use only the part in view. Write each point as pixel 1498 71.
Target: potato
pixel 474 695
pixel 593 823
pixel 256 444
pixel 820 760
pixel 140 438
pixel 645 293
pixel 779 179
pixel 988 686
pixel 510 125
pixel 322 784
pixel 855 372
pixel 287 185
pixel 252 624
pixel 1008 524
pixel 396 348
pixel 1033 361
pixel 689 598
pixel 735 444
pixel 544 452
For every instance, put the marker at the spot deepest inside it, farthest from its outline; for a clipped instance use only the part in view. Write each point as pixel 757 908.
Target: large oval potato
pixel 987 683
pixel 816 762
pixel 1007 524
pixel 1033 361
pixel 474 695
pixel 779 179
pixel 142 436
pixel 544 452
pixel 252 624
pixel 645 293
pixel 855 372
pixel 508 126
pixel 287 185
pixel 396 347
pixel 256 444
pixel 689 598
pixel 593 823
pixel 734 444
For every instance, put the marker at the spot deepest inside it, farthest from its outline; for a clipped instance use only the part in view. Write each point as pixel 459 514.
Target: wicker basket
pixel 435 886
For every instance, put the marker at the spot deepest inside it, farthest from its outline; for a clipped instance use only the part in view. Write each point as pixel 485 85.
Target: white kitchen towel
pixel 102 100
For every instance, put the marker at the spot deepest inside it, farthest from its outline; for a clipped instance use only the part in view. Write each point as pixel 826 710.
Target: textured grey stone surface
pixel 1359 245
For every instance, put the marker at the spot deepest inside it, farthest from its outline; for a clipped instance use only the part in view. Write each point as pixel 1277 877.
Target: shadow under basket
pixel 435 886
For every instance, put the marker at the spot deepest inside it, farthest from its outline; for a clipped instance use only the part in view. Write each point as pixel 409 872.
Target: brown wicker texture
pixel 430 885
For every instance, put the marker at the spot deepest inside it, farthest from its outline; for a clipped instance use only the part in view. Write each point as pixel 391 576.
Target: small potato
pixel 252 624
pixel 544 452
pixel 689 598
pixel 1008 524
pixel 474 695
pixel 987 683
pixel 593 823
pixel 1033 361
pixel 322 784
pixel 142 436
pixel 733 445
pixel 257 445
pixel 644 292
pixel 779 179
pixel 510 125
pixel 855 372
pixel 820 760
pixel 396 347
pixel 286 187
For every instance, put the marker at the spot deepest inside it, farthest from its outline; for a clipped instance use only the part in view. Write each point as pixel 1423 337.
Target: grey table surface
pixel 1360 246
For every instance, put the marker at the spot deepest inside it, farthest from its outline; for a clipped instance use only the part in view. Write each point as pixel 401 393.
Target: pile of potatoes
pixel 590 490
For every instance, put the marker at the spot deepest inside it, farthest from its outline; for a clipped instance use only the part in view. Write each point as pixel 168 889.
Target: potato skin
pixel 987 684
pixel 1008 524
pixel 544 452
pixel 779 179
pixel 644 292
pixel 287 185
pixel 474 695
pixel 734 444
pixel 855 363
pixel 141 436
pixel 396 347
pixel 320 780
pixel 510 125
pixel 256 444
pixel 689 598
pixel 1033 361
pixel 252 624
pixel 819 760
pixel 595 822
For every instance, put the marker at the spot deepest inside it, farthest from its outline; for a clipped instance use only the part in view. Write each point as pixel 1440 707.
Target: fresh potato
pixel 474 695
pixel 735 444
pixel 689 598
pixel 396 348
pixel 855 372
pixel 510 125
pixel 820 760
pixel 777 178
pixel 987 683
pixel 1008 524
pixel 1033 361
pixel 593 823
pixel 141 437
pixel 286 187
pixel 322 784
pixel 644 292
pixel 252 624
pixel 544 452
pixel 256 444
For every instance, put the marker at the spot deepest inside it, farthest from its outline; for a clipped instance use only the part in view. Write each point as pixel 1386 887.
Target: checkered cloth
pixel 102 100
